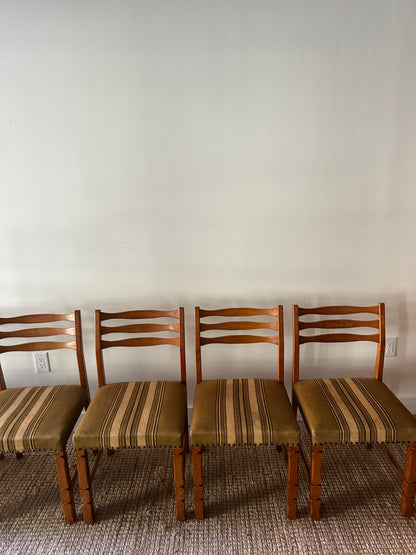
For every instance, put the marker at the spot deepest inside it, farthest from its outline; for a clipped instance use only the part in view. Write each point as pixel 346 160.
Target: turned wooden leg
pixel 198 487
pixel 409 482
pixel 315 485
pixel 179 479
pixel 65 486
pixel 292 481
pixel 84 479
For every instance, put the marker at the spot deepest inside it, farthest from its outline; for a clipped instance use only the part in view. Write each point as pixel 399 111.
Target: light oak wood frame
pixel 86 474
pixel 378 324
pixel 292 453
pixel 65 480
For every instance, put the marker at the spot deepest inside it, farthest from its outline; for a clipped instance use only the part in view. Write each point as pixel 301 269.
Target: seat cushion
pixel 134 414
pixel 243 412
pixel 36 418
pixel 353 410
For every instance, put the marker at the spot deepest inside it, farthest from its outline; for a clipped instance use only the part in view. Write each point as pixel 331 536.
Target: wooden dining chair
pixel 242 411
pixel 39 418
pixel 135 414
pixel 349 410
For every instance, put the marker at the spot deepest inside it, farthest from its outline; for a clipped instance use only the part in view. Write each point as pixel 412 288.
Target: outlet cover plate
pixel 41 361
pixel 391 346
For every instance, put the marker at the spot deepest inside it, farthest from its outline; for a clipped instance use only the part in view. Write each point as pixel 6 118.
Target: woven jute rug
pixel 245 506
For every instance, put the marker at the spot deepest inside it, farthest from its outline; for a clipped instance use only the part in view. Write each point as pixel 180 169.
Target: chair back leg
pixel 198 483
pixel 84 480
pixel 316 481
pixel 179 479
pixel 65 486
pixel 292 481
pixel 409 482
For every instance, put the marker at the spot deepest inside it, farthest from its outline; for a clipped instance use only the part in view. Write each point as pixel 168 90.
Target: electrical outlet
pixel 41 361
pixel 391 344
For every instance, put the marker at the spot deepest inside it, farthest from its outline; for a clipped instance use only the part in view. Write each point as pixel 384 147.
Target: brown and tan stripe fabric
pixel 242 412
pixel 134 414
pixel 33 418
pixel 353 410
pixel 360 417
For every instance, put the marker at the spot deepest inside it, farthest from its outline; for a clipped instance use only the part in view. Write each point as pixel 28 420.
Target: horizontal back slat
pixel 235 339
pixel 38 318
pixel 36 332
pixel 232 312
pixel 341 324
pixel 338 338
pixel 139 328
pixel 134 314
pixel 239 326
pixel 44 338
pixel 134 328
pixel 141 342
pixel 338 310
pixel 338 324
pixel 269 331
pixel 39 346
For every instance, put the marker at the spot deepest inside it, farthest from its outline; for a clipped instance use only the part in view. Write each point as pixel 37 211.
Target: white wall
pixel 217 153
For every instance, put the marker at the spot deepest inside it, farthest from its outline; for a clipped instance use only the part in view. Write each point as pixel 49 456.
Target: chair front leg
pixel 409 482
pixel 198 483
pixel 84 479
pixel 292 481
pixel 316 480
pixel 179 479
pixel 65 486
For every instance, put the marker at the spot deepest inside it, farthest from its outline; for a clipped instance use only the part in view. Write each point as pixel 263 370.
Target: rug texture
pixel 245 505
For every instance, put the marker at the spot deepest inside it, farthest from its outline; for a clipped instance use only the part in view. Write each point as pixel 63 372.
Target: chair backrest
pixel 337 324
pixel 276 325
pixel 32 329
pixel 177 327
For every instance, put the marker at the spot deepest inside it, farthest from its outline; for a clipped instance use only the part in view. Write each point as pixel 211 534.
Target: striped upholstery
pixel 353 410
pixel 134 414
pixel 34 418
pixel 242 412
pixel 359 415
